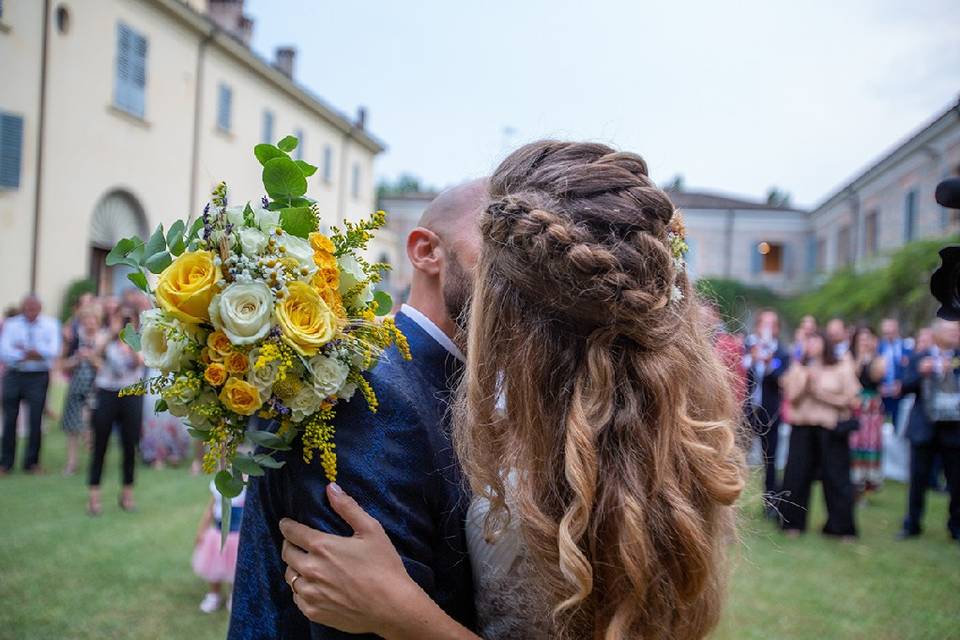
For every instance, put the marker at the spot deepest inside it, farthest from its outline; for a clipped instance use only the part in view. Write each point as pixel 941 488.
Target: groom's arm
pixel 384 461
pixel 262 603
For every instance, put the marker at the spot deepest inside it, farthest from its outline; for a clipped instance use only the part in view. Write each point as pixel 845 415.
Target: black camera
pixel 945 282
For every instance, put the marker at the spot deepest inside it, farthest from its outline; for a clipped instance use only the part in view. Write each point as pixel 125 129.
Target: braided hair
pixel 620 423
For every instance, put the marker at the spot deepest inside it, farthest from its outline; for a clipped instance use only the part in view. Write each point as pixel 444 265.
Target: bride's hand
pixel 356 584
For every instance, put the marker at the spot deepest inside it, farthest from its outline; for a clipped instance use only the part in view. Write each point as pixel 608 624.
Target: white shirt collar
pixel 435 332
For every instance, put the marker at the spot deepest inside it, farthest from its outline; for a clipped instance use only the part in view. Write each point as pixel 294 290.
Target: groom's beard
pixel 457 288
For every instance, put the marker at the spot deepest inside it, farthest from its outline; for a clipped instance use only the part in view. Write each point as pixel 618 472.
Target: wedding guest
pixel 765 363
pixel 807 326
pixel 29 345
pixel 866 443
pixel 72 325
pixel 838 335
pixel 822 390
pixel 896 353
pixel 933 374
pixel 82 358
pixel 213 562
pixel 122 366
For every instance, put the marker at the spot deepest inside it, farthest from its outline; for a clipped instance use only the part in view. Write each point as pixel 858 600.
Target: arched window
pixel 118 215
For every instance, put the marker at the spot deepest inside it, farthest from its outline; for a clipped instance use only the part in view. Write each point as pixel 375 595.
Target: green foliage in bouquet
pixel 258 313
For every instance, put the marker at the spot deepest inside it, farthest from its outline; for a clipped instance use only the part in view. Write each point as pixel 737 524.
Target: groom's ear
pixel 425 252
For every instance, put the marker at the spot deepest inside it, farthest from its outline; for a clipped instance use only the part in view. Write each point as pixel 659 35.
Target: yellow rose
pixel 331 296
pixel 321 243
pixel 236 362
pixel 215 374
pixel 240 396
pixel 186 287
pixel 219 345
pixel 305 319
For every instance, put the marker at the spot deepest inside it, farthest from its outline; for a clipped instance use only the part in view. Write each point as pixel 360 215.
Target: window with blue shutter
pixel 130 83
pixel 298 152
pixel 224 106
pixel 812 251
pixel 11 150
pixel 355 181
pixel 910 215
pixel 327 164
pixel 267 137
pixel 756 260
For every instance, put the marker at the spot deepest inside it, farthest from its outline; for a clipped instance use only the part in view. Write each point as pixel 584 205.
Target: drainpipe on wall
pixel 855 228
pixel 44 43
pixel 197 111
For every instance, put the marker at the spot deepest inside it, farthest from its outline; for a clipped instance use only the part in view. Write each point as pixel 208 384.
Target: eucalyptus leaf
pixel 140 280
pixel 227 484
pixel 195 229
pixel 265 152
pixel 384 302
pixel 156 244
pixel 283 179
pixel 160 405
pixel 176 232
pixel 120 251
pixel 298 221
pixel 198 434
pixel 130 336
pixel 268 440
pixel 158 262
pixel 247 465
pixel 288 144
pixel 266 460
pixel 307 168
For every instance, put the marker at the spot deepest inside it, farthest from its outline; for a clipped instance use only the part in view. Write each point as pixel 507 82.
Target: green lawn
pixel 66 575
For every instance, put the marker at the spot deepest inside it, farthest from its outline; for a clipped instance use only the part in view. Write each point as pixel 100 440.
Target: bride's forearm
pixel 422 619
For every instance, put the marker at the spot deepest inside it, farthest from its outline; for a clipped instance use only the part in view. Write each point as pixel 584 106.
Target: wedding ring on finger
pixel 294 582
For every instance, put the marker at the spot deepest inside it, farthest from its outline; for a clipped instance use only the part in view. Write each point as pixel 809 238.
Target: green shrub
pixel 76 289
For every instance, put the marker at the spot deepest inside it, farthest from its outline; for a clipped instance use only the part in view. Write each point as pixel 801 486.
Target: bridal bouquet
pixel 256 312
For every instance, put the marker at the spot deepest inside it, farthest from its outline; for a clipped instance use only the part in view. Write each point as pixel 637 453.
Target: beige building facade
pixel 892 202
pixel 130 112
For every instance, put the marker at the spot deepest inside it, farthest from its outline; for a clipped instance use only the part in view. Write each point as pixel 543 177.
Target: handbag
pixel 847 426
pixel 941 399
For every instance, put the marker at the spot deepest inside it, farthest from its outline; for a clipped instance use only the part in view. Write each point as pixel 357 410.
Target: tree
pixel 677 184
pixel 405 183
pixel 736 301
pixel 777 197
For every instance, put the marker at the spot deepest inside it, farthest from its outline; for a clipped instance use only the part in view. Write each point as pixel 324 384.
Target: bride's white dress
pixel 506 607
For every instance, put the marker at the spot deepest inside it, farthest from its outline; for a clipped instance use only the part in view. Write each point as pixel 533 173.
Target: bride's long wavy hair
pixel 618 424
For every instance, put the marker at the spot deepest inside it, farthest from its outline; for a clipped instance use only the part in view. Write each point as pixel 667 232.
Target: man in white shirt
pixel 29 344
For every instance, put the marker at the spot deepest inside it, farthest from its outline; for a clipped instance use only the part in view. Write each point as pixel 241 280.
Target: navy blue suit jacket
pixel 398 464
pixel 920 430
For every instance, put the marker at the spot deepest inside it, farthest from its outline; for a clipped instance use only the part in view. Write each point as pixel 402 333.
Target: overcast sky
pixel 736 96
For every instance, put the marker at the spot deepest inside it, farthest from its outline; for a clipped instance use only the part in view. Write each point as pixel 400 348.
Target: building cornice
pixel 916 142
pixel 243 54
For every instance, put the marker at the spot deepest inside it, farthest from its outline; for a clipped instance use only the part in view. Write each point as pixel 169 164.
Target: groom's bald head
pixel 444 249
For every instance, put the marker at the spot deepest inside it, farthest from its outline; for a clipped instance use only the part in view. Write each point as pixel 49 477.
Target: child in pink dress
pixel 210 562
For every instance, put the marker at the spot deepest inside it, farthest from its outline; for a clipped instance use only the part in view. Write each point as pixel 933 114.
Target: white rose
pixel 329 374
pixel 347 391
pixel 301 251
pixel 252 241
pixel 243 311
pixel 162 342
pixel 351 273
pixel 305 403
pixel 264 377
pixel 267 220
pixel 235 215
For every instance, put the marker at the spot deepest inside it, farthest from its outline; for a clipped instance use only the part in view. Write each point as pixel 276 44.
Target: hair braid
pixel 620 422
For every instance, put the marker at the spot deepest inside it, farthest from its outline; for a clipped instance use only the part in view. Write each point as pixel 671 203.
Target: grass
pixel 66 575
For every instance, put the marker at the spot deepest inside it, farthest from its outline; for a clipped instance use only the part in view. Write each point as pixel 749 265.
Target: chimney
pixel 361 118
pixel 228 15
pixel 284 58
